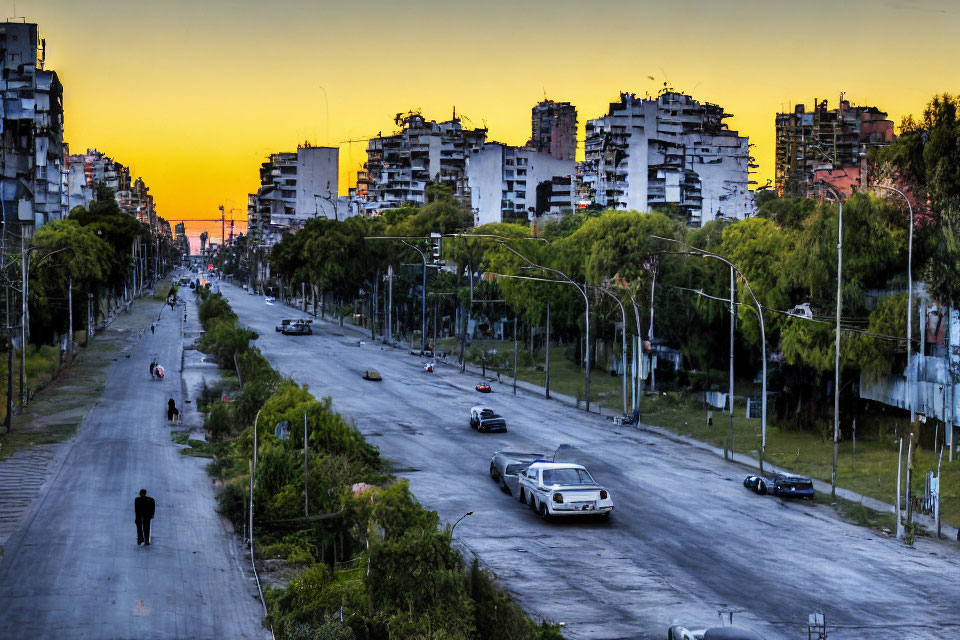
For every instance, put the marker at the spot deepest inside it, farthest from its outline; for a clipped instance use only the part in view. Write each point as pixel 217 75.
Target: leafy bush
pixel 224 340
pixel 300 557
pixel 221 422
pixel 231 501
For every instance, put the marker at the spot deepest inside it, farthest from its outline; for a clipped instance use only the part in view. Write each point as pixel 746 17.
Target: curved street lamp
pixel 836 366
pixel 423 299
pixel 763 337
pixel 913 383
pixel 468 513
pixel 623 344
pixel 586 299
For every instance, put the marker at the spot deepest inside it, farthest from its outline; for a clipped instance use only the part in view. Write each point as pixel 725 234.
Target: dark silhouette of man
pixel 153 365
pixel 143 508
pixel 172 411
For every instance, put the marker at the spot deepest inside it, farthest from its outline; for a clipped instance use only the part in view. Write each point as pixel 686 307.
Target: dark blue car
pixel 782 485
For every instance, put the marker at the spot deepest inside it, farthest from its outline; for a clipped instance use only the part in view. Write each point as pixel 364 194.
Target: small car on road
pixel 486 419
pixel 483 387
pixel 372 374
pixel 563 489
pixel 506 466
pixel 714 633
pixel 297 328
pixel 782 485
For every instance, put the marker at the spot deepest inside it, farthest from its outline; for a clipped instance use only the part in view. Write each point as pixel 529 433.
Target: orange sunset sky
pixel 193 95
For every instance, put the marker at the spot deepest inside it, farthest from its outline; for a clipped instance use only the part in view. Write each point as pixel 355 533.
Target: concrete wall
pixel 317 174
pixel 485 180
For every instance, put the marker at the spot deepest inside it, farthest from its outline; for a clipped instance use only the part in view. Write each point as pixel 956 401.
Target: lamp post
pixel 836 365
pixel 423 299
pixel 763 336
pixel 912 378
pixel 468 513
pixel 623 345
pixel 586 299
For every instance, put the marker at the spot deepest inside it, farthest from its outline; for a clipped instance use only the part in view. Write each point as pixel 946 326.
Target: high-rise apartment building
pixel 31 162
pixel 295 187
pixel 554 129
pixel 670 152
pixel 827 145
pixel 515 184
pixel 399 166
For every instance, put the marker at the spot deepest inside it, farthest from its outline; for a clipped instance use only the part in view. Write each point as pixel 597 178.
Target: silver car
pixel 506 466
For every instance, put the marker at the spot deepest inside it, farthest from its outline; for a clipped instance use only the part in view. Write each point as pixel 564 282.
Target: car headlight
pixel 558 498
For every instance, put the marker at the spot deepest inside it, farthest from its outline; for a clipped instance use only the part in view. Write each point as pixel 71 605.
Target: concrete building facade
pixel 830 145
pixel 516 184
pixel 399 166
pixel 667 152
pixel 553 129
pixel 295 187
pixel 32 159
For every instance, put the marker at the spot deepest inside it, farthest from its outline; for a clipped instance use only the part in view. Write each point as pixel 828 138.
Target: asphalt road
pixel 685 540
pixel 75 571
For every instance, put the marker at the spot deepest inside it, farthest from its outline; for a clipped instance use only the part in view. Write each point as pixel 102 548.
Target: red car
pixel 483 387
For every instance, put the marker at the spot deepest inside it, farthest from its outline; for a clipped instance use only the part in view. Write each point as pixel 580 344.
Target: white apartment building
pixel 515 184
pixel 666 152
pixel 399 166
pixel 31 162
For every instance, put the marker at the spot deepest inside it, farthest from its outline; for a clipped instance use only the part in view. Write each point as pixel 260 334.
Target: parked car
pixel 506 466
pixel 372 374
pixel 563 489
pixel 286 322
pixel 483 387
pixel 714 633
pixel 782 485
pixel 297 328
pixel 486 419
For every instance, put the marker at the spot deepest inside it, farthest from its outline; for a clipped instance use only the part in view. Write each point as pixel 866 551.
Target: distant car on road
pixel 714 633
pixel 506 466
pixel 372 374
pixel 297 328
pixel 782 485
pixel 486 419
pixel 563 489
pixel 483 387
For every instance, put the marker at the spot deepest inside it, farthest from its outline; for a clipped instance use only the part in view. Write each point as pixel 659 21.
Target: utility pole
pixel 516 345
pixel 546 365
pixel 909 482
pixel 70 316
pixel 306 471
pixel 24 320
pixel 733 318
pixel 389 302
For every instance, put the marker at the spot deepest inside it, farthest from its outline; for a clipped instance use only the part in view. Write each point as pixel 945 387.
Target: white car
pixel 563 489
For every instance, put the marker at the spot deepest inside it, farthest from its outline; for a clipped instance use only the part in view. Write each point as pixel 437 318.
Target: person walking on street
pixel 143 508
pixel 153 365
pixel 172 411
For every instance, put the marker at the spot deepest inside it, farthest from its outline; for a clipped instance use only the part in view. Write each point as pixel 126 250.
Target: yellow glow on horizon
pixel 193 96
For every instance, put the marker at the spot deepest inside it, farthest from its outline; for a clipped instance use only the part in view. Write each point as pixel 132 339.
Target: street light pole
pixel 836 365
pixel 423 299
pixel 586 300
pixel 912 378
pixel 763 337
pixel 623 346
pixel 468 513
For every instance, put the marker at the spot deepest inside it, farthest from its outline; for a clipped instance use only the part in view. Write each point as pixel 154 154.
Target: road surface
pixel 74 570
pixel 685 540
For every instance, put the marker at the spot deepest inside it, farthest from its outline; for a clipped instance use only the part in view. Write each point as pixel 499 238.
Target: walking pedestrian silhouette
pixel 143 509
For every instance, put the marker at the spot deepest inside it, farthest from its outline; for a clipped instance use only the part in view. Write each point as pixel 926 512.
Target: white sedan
pixel 563 489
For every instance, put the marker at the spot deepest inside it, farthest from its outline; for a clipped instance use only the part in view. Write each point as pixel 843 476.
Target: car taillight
pixel 558 497
pixel 603 494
